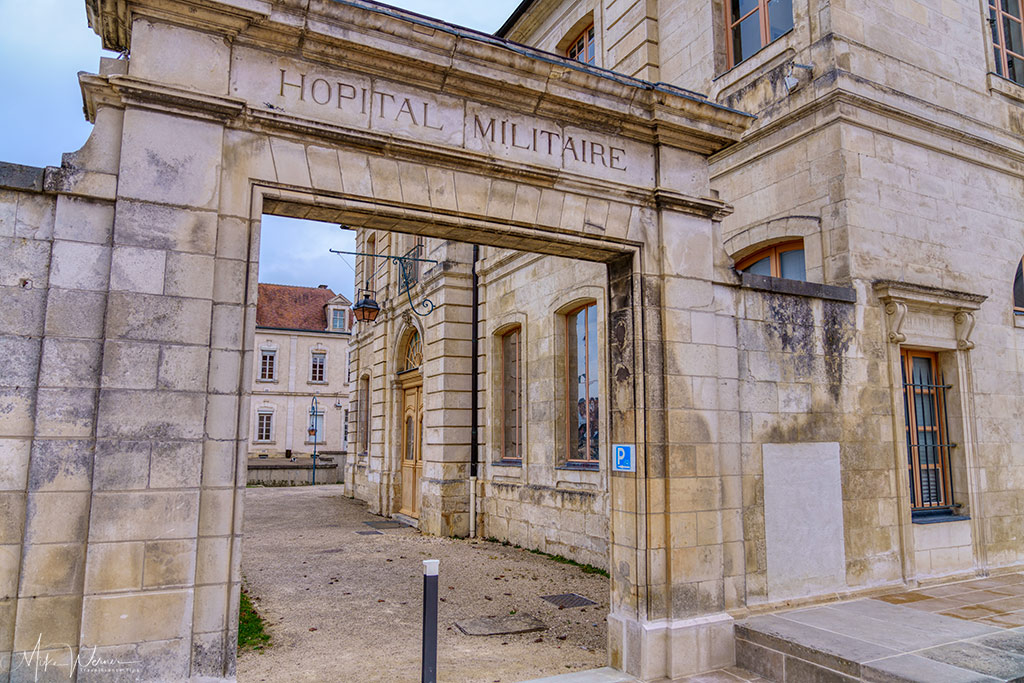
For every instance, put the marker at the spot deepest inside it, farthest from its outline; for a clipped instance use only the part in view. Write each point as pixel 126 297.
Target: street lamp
pixel 313 433
pixel 367 308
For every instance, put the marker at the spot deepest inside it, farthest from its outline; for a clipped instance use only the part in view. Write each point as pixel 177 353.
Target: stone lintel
pixel 480 67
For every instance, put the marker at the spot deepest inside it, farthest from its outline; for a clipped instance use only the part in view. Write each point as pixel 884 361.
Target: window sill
pixel 580 466
pixel 1005 87
pixel 767 58
pixel 266 381
pixel 507 463
pixel 1018 319
pixel 937 516
pixel 313 382
pixel 780 285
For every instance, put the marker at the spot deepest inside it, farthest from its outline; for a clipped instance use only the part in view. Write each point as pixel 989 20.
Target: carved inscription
pixel 354 100
pixel 549 142
pixel 348 97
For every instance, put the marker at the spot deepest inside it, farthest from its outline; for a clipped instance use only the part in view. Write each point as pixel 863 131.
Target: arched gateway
pixel 127 534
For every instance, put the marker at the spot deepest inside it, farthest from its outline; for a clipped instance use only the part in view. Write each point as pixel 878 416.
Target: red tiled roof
pixel 292 308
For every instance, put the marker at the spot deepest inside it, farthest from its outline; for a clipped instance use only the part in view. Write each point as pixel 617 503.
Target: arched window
pixel 582 47
pixel 1018 290
pixel 583 384
pixel 785 260
pixel 413 356
pixel 512 394
pixel 363 415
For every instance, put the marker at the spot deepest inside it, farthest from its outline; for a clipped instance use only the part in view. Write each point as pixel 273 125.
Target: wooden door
pixel 412 449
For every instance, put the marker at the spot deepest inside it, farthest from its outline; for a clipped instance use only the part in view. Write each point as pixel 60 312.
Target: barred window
pixel 264 425
pixel 318 367
pixel 752 24
pixel 582 48
pixel 511 395
pixel 583 384
pixel 924 404
pixel 1004 18
pixel 268 366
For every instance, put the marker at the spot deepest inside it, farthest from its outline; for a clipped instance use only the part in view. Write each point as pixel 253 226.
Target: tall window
pixel 583 47
pixel 1018 290
pixel 363 415
pixel 924 403
pixel 752 24
pixel 338 319
pixel 268 365
pixel 344 430
pixel 784 260
pixel 511 395
pixel 264 425
pixel 318 366
pixel 370 263
pixel 583 390
pixel 1004 17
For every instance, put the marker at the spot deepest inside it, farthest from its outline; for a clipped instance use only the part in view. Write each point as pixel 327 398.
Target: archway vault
pixel 369 117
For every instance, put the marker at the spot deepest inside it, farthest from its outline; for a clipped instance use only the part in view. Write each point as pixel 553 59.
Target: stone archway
pixel 363 116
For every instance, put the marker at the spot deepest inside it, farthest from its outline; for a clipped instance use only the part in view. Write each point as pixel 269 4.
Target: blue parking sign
pixel 624 458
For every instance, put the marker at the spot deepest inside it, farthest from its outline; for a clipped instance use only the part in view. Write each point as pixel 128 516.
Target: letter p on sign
pixel 624 458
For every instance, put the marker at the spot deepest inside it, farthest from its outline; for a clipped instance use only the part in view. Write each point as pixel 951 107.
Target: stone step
pixel 869 640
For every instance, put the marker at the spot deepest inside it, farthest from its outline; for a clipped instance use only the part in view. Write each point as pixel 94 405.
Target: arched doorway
pixel 410 379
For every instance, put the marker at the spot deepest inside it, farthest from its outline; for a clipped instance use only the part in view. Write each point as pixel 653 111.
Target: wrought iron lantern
pixel 366 309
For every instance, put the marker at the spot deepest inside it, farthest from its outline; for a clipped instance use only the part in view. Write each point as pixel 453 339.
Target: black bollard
pixel 429 669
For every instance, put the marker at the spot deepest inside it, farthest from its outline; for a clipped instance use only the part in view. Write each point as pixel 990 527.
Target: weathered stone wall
pixel 541 503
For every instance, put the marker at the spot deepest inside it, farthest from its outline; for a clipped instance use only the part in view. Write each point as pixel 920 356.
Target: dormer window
pixel 785 260
pixel 338 319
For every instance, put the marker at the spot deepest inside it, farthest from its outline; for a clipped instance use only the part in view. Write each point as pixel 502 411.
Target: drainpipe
pixel 474 440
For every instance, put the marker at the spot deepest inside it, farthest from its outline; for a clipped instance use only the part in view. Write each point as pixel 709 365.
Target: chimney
pixel 321 286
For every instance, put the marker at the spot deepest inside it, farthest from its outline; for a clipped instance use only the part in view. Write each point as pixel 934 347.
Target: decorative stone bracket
pixel 900 298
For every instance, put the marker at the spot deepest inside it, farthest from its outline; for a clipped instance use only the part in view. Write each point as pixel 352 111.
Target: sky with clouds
pixel 45 43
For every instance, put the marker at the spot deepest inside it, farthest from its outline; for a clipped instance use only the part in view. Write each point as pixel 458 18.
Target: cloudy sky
pixel 45 43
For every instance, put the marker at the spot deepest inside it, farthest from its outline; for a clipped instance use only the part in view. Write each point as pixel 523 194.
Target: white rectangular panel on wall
pixel 803 514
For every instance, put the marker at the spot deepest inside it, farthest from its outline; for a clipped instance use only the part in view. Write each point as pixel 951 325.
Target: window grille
pixel 928 445
pixel 411 268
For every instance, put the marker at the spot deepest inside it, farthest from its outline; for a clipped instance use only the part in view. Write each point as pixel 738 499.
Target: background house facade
pixel 302 346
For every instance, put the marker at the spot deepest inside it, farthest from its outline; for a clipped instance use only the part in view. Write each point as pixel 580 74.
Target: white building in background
pixel 301 352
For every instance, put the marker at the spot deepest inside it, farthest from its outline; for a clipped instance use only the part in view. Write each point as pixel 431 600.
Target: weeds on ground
pixel 251 633
pixel 585 568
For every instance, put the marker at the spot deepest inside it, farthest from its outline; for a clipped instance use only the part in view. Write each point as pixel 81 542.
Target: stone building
pixel 802 318
pixel 302 339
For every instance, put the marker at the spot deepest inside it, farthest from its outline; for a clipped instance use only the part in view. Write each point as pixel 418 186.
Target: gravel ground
pixel 347 607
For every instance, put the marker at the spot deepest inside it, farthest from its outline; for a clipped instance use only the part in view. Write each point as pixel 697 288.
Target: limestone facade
pixel 294 364
pixel 127 389
pixel 888 144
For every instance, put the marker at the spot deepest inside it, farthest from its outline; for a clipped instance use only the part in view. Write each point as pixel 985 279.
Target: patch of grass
pixel 251 633
pixel 585 568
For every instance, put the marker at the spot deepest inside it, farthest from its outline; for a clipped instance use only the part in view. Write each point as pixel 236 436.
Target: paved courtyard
pixel 346 606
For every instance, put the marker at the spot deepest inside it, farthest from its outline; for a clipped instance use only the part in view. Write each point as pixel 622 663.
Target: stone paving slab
pixel 892 639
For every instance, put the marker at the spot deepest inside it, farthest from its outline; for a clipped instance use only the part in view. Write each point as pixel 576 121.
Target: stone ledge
pixel 780 285
pixel 18 177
